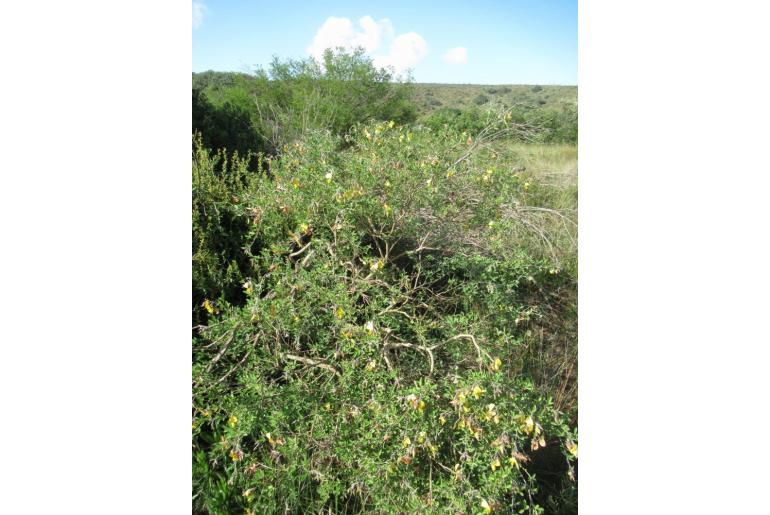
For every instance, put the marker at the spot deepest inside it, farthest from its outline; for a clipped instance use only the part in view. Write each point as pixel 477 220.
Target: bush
pixel 481 100
pixel 373 361
pixel 228 126
pixel 275 108
pixel 468 120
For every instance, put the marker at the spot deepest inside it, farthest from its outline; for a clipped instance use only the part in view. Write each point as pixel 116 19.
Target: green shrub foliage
pixel 273 108
pixel 361 311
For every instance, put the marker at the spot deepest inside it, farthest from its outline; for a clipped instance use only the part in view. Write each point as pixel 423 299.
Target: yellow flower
pixel 371 366
pixel 303 227
pixel 421 405
pixel 478 391
pixel 206 413
pixel 209 306
pixel 495 464
pixel 328 406
pixel 249 494
pixel 248 287
pixel 387 209
pixel 529 425
pixel 441 420
pixel 295 183
pixel 428 182
pixel 497 364
pixel 236 455
pixel 401 138
pixel 391 124
pixel 328 177
pixel 387 183
pixel 369 327
pixel 526 185
pixel 270 439
pixel 421 437
pixel 513 462
pixel 367 134
pixel 433 450
pixel 406 442
pixel 232 421
pixel 461 424
pixel 572 448
pixel 490 413
pixel 194 425
pixel 339 313
pixel 485 505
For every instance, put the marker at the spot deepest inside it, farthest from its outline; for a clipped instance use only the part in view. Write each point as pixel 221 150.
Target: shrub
pixel 228 126
pixel 481 100
pixel 295 96
pixel 374 359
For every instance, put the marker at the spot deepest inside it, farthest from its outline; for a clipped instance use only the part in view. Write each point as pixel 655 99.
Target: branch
pixel 312 362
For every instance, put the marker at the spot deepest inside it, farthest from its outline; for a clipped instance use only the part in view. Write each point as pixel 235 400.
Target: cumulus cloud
pixel 198 10
pixel 406 51
pixel 376 37
pixel 457 55
pixel 340 32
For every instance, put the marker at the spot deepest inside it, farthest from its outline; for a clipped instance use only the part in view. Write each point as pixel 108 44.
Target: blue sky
pixel 480 42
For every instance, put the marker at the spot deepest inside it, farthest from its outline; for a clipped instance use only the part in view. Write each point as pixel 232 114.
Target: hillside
pixel 430 97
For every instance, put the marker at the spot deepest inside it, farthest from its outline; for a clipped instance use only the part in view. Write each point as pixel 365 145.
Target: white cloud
pixel 458 55
pixel 406 51
pixel 403 52
pixel 198 10
pixel 340 32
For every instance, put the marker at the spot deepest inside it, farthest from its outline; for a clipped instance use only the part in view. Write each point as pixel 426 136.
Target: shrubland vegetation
pixel 384 307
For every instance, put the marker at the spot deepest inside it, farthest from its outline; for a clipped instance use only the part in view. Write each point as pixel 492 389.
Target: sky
pixel 480 42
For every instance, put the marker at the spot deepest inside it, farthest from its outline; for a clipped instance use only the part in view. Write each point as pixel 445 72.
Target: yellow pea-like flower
pixel 232 421
pixel 209 307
